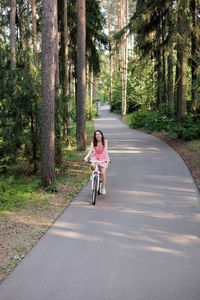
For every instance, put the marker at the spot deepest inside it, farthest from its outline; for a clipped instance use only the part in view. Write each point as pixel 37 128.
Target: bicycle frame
pixel 96 180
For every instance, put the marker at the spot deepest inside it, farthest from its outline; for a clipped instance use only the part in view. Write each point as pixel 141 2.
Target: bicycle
pixel 96 180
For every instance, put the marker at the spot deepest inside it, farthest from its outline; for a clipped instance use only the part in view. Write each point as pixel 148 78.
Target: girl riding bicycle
pixel 100 146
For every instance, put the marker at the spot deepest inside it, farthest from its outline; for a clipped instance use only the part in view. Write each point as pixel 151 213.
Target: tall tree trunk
pixel 48 93
pixel 57 83
pixel 94 87
pixel 158 68
pixel 164 94
pixel 80 103
pixel 21 28
pixel 153 67
pixel 170 81
pixel 91 90
pixel 159 76
pixel 110 56
pixel 34 22
pixel 195 41
pixel 126 61
pixel 27 19
pixel 34 144
pixel 177 78
pixel 66 85
pixel 182 58
pixel 122 60
pixel 12 33
pixel 164 77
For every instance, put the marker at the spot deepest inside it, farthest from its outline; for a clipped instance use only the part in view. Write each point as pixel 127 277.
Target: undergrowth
pixel 18 191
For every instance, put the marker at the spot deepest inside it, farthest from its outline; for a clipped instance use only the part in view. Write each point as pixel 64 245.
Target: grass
pixel 18 191
pixel 27 211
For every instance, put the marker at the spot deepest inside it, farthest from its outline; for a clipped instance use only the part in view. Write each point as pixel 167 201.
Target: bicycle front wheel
pixel 94 191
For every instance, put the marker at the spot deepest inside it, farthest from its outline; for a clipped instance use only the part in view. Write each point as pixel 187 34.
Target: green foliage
pixel 95 36
pixel 16 192
pixel 158 120
pixel 51 189
pixel 140 90
pixel 137 119
pixel 117 94
pixel 20 103
pixel 91 112
pixel 189 128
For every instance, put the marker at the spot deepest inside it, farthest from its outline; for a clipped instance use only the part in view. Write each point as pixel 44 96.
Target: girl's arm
pixel 89 153
pixel 106 150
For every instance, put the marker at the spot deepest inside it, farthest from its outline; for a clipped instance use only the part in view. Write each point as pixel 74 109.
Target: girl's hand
pixel 86 159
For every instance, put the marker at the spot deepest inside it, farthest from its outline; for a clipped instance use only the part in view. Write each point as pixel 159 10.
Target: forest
pixel 59 58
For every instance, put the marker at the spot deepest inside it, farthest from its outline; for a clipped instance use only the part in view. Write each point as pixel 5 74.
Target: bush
pixel 190 133
pixel 137 119
pixel 156 121
pixel 90 112
pixel 188 129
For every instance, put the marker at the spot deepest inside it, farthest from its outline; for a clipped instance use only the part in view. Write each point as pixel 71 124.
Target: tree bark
pixel 27 28
pixel 48 93
pixel 80 103
pixel 12 34
pixel 34 22
pixel 21 28
pixel 66 80
pixel 170 81
pixel 57 84
pixel 182 58
pixel 195 41
pixel 126 60
pixel 122 60
pixel 159 76
pixel 110 56
pixel 91 90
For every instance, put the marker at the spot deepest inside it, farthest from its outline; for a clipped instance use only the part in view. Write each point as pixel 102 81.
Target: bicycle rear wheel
pixel 94 191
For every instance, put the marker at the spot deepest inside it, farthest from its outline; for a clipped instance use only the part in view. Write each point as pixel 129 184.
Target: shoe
pixel 103 192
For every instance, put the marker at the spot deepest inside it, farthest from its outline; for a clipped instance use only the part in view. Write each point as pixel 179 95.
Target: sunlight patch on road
pixel 67 225
pixel 106 119
pixel 124 151
pixel 185 239
pixel 168 187
pixel 164 250
pixel 170 178
pixel 74 235
pixel 137 237
pixel 153 214
pixel 141 193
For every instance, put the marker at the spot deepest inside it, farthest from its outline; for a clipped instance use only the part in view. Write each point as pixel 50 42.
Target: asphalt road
pixel 139 242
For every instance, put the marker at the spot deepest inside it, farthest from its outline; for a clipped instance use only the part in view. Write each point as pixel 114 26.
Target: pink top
pixel 99 154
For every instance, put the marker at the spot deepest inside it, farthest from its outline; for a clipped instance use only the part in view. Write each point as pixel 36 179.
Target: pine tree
pixel 80 101
pixel 34 22
pixel 12 34
pixel 48 92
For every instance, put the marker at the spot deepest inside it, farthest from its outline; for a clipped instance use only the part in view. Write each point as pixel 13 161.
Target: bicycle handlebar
pixel 98 161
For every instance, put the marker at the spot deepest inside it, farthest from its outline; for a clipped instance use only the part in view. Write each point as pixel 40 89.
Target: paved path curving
pixel 140 242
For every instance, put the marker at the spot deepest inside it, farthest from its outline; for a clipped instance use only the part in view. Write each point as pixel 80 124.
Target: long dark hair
pixel 95 139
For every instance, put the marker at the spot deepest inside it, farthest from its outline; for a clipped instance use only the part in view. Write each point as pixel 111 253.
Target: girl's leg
pixel 103 176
